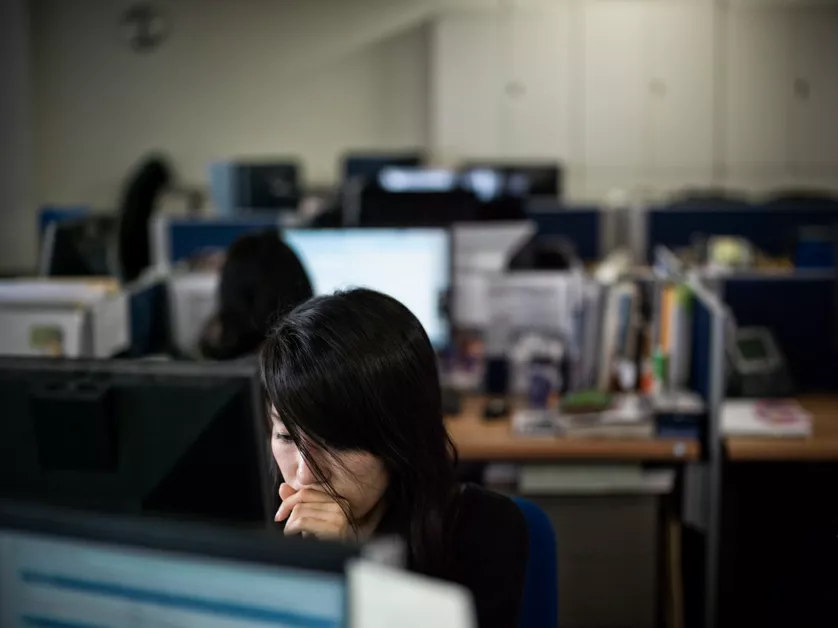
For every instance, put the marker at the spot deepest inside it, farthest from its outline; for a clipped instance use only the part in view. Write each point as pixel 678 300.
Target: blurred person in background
pixel 361 449
pixel 261 280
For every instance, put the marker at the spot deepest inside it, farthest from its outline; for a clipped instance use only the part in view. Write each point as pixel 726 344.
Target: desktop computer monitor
pixel 80 248
pixel 171 438
pixel 267 186
pixel 63 568
pixel 535 179
pixel 416 197
pixel 367 166
pixel 411 265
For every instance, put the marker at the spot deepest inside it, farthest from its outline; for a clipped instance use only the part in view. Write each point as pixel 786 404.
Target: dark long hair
pixel 261 281
pixel 355 371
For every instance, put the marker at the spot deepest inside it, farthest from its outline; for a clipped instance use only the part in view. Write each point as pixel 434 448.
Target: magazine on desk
pixel 770 418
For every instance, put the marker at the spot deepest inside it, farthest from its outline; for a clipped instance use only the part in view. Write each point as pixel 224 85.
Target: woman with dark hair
pixel 261 280
pixel 359 440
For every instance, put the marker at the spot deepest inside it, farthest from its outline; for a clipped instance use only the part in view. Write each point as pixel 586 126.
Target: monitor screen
pixel 367 166
pixel 171 438
pixel 51 579
pixel 411 265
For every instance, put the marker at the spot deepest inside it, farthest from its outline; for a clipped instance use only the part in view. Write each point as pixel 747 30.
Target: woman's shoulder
pixel 476 501
pixel 485 517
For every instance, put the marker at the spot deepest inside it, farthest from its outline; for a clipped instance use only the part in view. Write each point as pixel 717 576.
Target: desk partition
pixel 772 228
pixel 584 227
pixel 176 239
pixel 800 310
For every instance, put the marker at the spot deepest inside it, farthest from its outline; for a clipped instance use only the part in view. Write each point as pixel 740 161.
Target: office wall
pixel 17 227
pixel 235 78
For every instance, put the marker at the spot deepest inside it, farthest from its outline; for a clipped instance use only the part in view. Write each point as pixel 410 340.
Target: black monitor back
pixel 166 438
pixel 83 248
pixel 268 186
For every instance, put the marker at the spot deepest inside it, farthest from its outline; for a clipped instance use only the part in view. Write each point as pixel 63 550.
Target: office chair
pixel 137 206
pixel 540 608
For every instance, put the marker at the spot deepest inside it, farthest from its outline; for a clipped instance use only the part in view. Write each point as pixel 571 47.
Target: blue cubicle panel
pixel 185 238
pixel 50 214
pixel 702 347
pixel 772 228
pixel 581 226
pixel 148 312
pixel 801 312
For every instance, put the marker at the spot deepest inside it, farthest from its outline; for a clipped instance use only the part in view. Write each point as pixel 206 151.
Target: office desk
pixel 823 444
pixel 478 439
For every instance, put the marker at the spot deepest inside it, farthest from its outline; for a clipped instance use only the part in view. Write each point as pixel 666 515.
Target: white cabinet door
pixel 615 94
pixel 467 85
pixel 536 106
pixel 757 92
pixel 680 39
pixel 814 124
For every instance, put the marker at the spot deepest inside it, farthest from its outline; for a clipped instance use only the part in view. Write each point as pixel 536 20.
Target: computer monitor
pixel 411 265
pixel 368 165
pixel 85 247
pixel 416 197
pixel 267 186
pixel 538 179
pixel 170 438
pixel 65 568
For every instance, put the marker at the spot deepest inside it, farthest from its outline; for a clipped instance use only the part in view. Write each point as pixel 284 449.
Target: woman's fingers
pixel 303 496
pixel 286 508
pixel 285 491
pixel 320 520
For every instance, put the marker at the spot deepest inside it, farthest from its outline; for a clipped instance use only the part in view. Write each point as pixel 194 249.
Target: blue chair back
pixel 541 587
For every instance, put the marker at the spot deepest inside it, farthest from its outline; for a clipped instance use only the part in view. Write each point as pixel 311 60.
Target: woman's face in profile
pixel 357 476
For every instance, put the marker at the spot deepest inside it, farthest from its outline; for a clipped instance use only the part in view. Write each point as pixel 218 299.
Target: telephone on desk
pixel 758 368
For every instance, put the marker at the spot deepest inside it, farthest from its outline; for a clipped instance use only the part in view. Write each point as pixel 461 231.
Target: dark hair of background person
pixel 138 199
pixel 262 280
pixel 355 371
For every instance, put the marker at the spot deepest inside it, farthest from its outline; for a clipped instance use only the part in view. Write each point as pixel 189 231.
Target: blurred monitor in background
pixel 531 179
pixel 367 166
pixel 410 265
pixel 168 438
pixel 86 247
pixel 267 186
pixel 416 197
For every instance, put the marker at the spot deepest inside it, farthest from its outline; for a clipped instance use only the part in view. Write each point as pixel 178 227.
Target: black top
pixel 490 548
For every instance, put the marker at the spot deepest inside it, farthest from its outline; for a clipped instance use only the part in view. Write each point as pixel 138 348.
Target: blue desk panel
pixel 189 237
pixel 580 226
pixel 801 313
pixel 772 231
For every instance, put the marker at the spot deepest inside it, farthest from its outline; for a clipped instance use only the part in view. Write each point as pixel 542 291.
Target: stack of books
pixel 629 416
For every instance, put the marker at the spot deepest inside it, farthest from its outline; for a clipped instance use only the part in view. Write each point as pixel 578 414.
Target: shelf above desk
pixel 478 439
pixel 823 444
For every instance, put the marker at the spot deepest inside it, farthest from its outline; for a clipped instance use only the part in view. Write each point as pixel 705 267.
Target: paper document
pixel 766 417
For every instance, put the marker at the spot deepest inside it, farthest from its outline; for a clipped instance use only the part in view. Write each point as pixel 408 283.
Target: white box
pixel 193 301
pixel 63 318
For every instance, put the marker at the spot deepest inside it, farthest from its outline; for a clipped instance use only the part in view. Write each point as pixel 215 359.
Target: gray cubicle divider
pixel 711 318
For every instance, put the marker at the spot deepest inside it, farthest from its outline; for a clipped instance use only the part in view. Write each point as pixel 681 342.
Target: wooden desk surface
pixel 478 439
pixel 823 444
